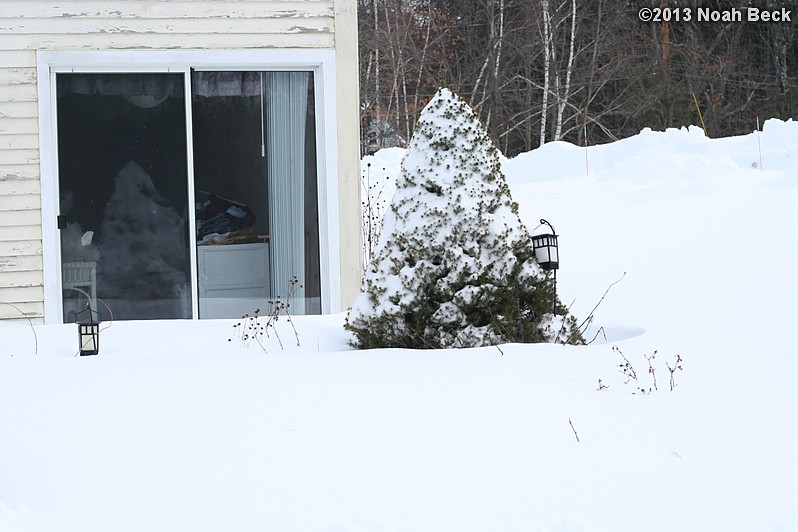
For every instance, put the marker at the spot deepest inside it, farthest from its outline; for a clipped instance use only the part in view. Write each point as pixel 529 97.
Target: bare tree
pixel 547 53
pixel 567 70
pixel 562 99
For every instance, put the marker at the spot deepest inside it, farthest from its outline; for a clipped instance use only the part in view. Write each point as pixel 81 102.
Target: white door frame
pixel 321 62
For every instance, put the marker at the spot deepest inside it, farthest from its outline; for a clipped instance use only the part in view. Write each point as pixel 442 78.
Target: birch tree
pixel 562 99
pixel 544 107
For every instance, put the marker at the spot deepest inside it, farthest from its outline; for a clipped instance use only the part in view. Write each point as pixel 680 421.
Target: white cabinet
pixel 233 279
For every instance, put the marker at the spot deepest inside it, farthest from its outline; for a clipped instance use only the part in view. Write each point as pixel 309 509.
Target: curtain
pixel 245 83
pixel 145 91
pixel 286 116
pixel 203 83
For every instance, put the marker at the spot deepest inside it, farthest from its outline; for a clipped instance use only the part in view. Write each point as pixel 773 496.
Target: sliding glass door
pixel 123 198
pixel 255 182
pixel 125 187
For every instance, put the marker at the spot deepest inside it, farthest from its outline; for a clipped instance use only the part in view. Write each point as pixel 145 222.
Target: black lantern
pixel 545 247
pixel 88 331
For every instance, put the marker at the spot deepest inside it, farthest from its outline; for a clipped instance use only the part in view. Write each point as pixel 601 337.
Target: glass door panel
pixel 255 186
pixel 123 195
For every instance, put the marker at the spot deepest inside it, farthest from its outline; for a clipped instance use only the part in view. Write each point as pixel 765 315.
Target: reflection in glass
pixel 123 193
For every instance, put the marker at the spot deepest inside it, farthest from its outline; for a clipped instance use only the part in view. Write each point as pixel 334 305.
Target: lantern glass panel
pixel 553 254
pixel 542 254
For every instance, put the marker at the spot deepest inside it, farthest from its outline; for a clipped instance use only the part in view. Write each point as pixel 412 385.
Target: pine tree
pixel 454 265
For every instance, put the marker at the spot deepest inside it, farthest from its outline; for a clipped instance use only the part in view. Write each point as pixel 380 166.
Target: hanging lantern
pixel 88 331
pixel 545 247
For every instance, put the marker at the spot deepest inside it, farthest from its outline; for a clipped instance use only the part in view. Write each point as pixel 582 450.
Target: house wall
pixel 27 27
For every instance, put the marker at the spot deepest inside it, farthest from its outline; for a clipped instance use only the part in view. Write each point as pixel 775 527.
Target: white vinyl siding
pixel 31 26
pixel 21 286
pixel 114 25
pixel 166 9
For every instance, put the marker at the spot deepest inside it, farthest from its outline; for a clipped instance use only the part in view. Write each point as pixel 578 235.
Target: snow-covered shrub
pixel 454 265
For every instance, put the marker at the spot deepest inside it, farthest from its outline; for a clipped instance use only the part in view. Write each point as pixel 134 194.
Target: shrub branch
pixel 589 317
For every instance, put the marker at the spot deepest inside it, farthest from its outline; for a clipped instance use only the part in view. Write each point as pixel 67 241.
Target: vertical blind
pixel 286 116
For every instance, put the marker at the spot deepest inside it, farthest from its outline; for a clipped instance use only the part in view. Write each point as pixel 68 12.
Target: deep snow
pixel 174 428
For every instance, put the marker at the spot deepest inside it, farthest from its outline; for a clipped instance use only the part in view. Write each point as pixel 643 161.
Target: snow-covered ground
pixel 174 428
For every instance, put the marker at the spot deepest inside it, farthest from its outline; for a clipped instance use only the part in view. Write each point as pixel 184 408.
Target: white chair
pixel 81 276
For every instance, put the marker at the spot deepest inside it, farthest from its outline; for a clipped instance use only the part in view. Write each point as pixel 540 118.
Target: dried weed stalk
pixel 256 327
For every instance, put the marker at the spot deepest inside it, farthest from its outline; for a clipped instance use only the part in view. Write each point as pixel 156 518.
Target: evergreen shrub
pixel 454 265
